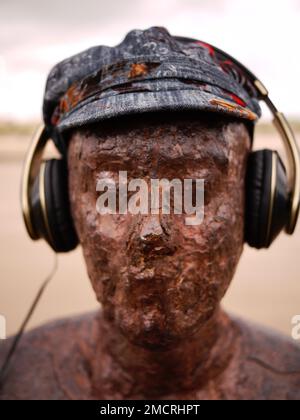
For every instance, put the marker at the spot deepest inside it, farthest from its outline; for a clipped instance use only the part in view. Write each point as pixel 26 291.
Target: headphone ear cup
pixel 63 234
pixel 266 210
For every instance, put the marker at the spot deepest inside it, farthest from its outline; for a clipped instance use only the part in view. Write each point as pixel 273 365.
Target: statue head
pixel 160 280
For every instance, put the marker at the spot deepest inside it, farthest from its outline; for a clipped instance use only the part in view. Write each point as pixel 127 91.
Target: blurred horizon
pixel 35 35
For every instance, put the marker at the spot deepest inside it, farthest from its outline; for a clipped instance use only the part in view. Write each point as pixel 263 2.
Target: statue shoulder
pixel 270 362
pixel 45 357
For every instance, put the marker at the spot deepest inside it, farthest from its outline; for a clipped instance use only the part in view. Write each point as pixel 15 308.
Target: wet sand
pixel 266 287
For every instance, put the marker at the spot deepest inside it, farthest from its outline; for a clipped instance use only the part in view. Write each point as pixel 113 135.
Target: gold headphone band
pixel 293 156
pixel 30 170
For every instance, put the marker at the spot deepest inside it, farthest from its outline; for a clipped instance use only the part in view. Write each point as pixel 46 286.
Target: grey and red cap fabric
pixel 150 70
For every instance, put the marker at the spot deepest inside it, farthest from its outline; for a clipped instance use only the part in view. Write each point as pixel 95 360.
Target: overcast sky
pixel 35 35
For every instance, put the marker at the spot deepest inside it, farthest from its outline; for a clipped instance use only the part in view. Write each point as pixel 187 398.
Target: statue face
pixel 158 279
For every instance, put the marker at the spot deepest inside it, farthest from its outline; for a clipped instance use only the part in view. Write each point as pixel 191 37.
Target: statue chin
pixel 155 330
pixel 154 340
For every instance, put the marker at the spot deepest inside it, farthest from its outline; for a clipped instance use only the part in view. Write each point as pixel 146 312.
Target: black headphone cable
pixel 17 338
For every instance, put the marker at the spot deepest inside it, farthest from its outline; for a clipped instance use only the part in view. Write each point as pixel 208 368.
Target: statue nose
pixel 151 230
pixel 154 237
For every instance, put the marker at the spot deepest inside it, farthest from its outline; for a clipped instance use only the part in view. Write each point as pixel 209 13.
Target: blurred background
pixel 35 35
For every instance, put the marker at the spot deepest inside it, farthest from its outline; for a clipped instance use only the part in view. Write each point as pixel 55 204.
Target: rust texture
pixel 138 69
pixel 160 332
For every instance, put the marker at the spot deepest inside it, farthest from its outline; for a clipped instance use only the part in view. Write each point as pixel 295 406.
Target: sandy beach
pixel 265 289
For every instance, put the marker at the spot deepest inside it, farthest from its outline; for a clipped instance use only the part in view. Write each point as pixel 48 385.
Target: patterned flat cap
pixel 150 70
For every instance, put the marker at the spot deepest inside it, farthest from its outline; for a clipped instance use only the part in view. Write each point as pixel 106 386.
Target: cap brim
pixel 141 102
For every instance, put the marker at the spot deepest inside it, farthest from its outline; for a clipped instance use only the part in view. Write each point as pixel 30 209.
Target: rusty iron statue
pixel 156 106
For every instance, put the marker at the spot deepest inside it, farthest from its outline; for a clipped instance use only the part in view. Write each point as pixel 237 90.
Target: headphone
pixel 272 194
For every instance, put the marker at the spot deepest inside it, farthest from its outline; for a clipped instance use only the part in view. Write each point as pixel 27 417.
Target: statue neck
pixel 121 369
